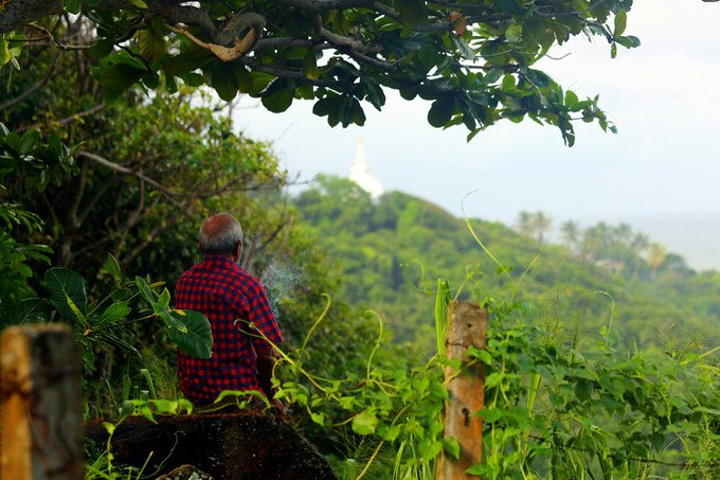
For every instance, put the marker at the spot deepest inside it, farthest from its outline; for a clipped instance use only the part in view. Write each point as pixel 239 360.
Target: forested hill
pixel 391 253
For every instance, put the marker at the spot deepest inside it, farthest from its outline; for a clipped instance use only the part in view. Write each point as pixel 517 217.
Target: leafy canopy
pixel 473 60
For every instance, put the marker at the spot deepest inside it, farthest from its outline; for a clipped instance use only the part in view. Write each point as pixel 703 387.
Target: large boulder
pixel 247 445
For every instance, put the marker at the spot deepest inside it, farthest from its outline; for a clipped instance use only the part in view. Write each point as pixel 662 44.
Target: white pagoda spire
pixel 360 172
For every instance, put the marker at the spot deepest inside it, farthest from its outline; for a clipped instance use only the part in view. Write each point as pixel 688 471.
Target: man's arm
pixel 262 317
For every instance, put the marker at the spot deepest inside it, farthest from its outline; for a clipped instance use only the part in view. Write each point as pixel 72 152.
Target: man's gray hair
pixel 220 234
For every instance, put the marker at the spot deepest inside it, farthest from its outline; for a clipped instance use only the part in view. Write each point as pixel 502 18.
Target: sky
pixel 660 173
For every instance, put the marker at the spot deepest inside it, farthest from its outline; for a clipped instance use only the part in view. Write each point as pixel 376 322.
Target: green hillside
pixel 390 254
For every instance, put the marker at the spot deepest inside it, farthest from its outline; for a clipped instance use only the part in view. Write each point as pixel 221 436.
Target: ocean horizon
pixel 693 236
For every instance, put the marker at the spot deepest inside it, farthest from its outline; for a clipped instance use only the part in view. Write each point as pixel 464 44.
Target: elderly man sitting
pixel 231 299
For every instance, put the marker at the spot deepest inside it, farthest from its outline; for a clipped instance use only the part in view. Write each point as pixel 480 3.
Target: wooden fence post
pixel 42 430
pixel 467 325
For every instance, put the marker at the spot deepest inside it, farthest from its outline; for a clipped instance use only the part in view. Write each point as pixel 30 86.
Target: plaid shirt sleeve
pixel 261 316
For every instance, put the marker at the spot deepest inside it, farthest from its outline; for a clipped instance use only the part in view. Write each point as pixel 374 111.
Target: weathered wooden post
pixel 42 437
pixel 467 325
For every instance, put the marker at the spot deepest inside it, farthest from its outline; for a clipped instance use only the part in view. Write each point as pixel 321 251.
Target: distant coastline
pixel 695 237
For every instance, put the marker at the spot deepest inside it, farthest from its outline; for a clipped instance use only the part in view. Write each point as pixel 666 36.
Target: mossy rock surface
pixel 246 445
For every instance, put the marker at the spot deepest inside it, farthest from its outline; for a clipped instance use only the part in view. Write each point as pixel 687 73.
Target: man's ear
pixel 238 250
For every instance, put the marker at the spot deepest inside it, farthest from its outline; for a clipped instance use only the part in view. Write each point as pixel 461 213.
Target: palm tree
pixel 592 241
pixel 623 234
pixel 603 233
pixel 525 226
pixel 656 257
pixel 541 224
pixel 570 234
pixel 638 244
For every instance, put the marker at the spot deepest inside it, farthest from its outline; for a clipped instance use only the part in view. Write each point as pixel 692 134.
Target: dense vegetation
pixel 390 254
pixel 122 190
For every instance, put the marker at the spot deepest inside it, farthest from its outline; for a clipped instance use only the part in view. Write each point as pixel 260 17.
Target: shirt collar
pixel 214 259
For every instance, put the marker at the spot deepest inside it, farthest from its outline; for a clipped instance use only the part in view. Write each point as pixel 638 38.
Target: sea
pixel 693 236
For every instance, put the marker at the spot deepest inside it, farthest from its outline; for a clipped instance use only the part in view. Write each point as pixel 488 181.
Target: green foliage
pixel 552 410
pixel 474 62
pixel 99 324
pixel 28 161
pixel 390 254
pixel 15 256
pixel 204 167
pixel 599 412
pixel 189 330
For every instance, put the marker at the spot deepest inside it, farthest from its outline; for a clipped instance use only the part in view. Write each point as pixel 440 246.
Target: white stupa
pixel 360 173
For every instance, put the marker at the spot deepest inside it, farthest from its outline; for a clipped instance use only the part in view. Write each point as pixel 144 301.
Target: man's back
pixel 230 298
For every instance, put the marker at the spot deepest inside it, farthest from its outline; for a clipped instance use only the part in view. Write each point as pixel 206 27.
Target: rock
pixel 246 445
pixel 185 472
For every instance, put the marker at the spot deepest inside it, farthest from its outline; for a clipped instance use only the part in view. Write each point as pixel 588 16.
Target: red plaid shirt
pixel 229 297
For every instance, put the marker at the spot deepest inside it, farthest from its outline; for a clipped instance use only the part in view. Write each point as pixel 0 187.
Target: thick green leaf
pixel 441 111
pixel 164 299
pixel 115 312
pixel 67 292
pixel 4 51
pixel 116 79
pixel 375 94
pixel 30 310
pixel 571 100
pixel 492 76
pixel 318 418
pixel 465 50
pixel 364 423
pixel 192 79
pixel 151 45
pixel 197 342
pixel 620 22
pixel 28 141
pixel 224 82
pixel 278 97
pixel 102 48
pixel 145 291
pixel 113 267
pixel 73 6
pixel 326 105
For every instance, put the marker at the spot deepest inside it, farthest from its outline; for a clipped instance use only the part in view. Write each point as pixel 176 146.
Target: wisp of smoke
pixel 280 279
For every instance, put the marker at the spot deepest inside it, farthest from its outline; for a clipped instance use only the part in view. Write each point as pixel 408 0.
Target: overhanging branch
pixel 119 168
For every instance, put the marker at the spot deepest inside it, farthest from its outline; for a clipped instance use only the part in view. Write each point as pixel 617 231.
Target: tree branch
pixel 64 121
pixel 285 72
pixel 35 88
pixel 196 17
pixel 49 36
pixel 226 54
pixel 119 168
pixel 19 13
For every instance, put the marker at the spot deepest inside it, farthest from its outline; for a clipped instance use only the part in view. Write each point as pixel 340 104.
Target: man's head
pixel 221 234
